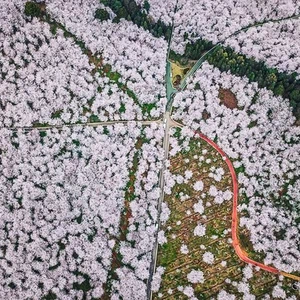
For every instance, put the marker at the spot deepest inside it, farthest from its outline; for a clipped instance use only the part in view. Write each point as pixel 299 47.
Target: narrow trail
pixel 89 124
pixel 235 220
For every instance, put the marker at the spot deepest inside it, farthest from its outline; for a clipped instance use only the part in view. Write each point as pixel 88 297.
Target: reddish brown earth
pixel 228 98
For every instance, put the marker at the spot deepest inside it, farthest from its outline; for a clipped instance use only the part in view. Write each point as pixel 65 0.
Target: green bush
pixel 101 14
pixel 146 6
pixel 32 9
pixel 131 11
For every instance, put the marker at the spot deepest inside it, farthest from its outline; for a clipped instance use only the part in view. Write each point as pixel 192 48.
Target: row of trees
pixel 131 11
pixel 193 50
pixel 226 59
pixel 281 83
pixel 277 44
pixel 32 9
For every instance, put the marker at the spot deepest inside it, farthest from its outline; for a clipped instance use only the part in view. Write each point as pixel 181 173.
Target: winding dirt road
pixel 234 225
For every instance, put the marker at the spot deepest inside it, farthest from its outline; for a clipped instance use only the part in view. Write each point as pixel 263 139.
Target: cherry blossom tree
pixel 195 276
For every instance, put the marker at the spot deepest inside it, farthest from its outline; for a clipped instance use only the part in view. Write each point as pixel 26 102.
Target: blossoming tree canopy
pixel 118 175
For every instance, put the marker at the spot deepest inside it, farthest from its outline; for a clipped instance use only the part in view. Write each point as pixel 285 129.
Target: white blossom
pixel 208 258
pixel 195 276
pixel 200 230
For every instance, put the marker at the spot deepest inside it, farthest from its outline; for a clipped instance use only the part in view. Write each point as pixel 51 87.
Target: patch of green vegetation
pixel 200 296
pixel 177 133
pixel 214 230
pixel 245 241
pixel 16 145
pixel 131 11
pixel 193 51
pixel 169 253
pixel 49 296
pixel 61 245
pixel 101 14
pixel 57 114
pixel 132 95
pixel 62 151
pixel 92 234
pixel 146 5
pixel 197 86
pixel 53 29
pixel 54 267
pixel 84 286
pixel 12 285
pixel 76 142
pixel 79 218
pixel 114 76
pixel 94 119
pixel 147 107
pixel 32 9
pixel 240 169
pixel 122 108
pixel 105 130
pixel 252 124
pixel 43 134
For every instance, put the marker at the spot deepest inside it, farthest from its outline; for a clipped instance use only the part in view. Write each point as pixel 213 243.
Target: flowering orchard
pixel 101 197
pixel 198 258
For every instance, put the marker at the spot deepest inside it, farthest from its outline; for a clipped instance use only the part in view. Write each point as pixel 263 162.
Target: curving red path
pixel 234 226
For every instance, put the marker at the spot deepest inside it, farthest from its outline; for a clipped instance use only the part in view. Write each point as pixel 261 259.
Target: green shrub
pixel 101 14
pixel 32 9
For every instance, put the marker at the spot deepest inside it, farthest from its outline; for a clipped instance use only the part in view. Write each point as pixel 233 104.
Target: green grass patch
pixel 147 107
pixel 122 108
pixel 94 119
pixel 57 114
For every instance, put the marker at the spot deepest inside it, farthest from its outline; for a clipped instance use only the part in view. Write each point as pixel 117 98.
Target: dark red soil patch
pixel 228 98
